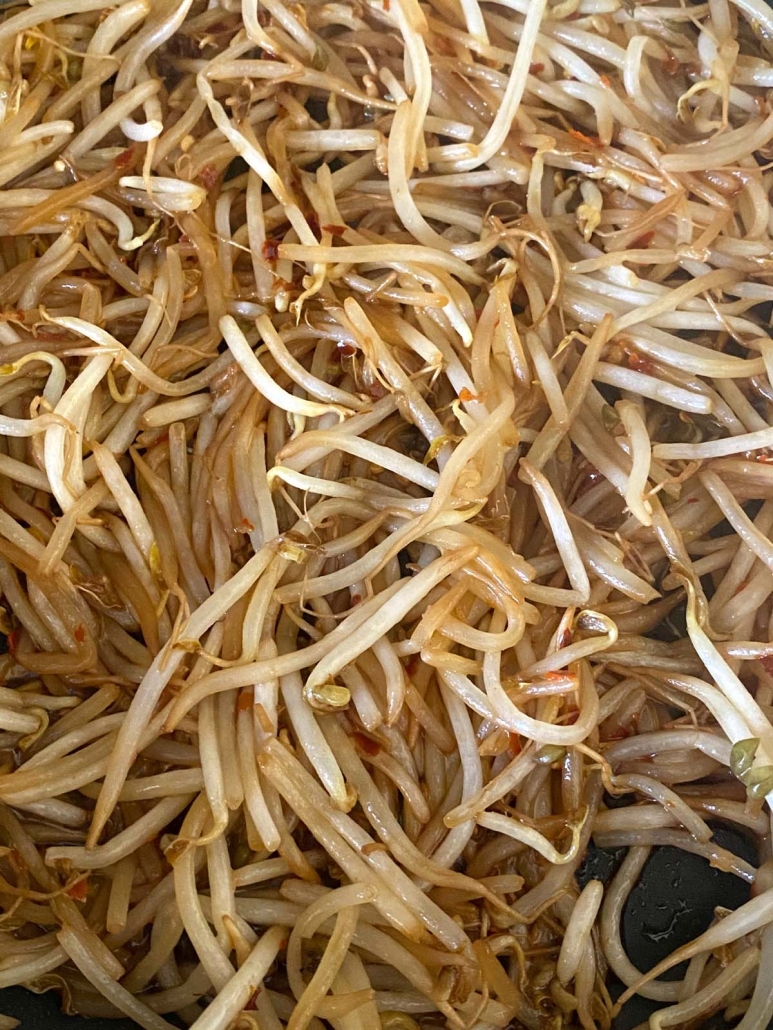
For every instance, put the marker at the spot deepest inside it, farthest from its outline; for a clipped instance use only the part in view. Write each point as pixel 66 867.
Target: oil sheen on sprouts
pixel 386 499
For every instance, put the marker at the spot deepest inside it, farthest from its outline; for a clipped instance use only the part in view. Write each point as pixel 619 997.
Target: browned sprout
pixel 386 428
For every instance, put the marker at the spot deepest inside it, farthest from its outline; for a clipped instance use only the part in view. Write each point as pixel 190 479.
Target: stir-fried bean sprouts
pixel 386 427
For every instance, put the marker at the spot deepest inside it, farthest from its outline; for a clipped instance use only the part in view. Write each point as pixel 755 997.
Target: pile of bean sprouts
pixel 386 491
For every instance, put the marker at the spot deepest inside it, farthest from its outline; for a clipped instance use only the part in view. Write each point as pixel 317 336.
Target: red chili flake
pixel 376 390
pixel 335 230
pixel 386 4
pixel 80 633
pixel 208 176
pixel 79 891
pixel 766 661
pixel 365 744
pixel 693 500
pixel 605 81
pixel 640 363
pixel 125 159
pixel 590 141
pixel 412 665
pixel 356 598
pixel 554 676
pixel 619 734
pixel 670 64
pixel 466 395
pixel 13 640
pixel 565 639
pixel 644 240
pixel 515 744
pixel 50 335
pixel 765 459
pixel 185 238
pixel 271 249
pixel 245 701
pixel 246 526
pixel 536 68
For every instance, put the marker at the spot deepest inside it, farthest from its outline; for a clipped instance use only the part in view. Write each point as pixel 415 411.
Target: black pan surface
pixel 672 903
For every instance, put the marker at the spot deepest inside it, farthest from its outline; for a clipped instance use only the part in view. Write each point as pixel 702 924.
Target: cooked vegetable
pixel 385 426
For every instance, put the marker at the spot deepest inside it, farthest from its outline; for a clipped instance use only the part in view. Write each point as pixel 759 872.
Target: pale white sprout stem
pixel 578 929
pixel 385 432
